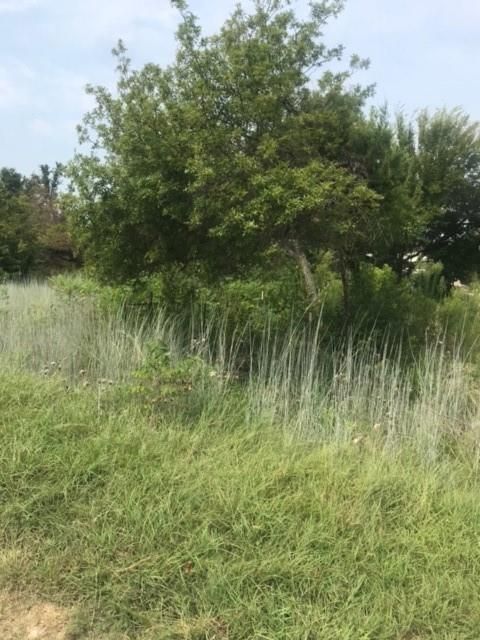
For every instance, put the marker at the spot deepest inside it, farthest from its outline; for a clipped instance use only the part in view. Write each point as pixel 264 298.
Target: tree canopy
pixel 249 147
pixel 33 233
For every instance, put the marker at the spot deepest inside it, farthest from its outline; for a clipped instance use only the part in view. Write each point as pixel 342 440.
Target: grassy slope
pixel 161 531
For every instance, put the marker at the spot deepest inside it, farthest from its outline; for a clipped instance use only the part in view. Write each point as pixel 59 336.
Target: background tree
pixel 18 233
pixel 33 230
pixel 386 149
pixel 427 173
pixel 55 243
pixel 449 170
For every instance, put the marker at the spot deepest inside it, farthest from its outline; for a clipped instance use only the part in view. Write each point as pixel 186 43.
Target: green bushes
pixel 164 377
pixel 81 287
pixel 459 313
pixel 413 310
pixel 391 306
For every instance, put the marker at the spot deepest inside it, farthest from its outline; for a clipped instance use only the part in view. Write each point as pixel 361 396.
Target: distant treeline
pixel 33 234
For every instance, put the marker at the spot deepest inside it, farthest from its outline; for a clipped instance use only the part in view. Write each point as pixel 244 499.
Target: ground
pixel 23 618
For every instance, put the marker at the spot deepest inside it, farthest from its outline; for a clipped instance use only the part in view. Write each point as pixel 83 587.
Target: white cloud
pixel 423 53
pixel 390 17
pixel 69 87
pixel 463 13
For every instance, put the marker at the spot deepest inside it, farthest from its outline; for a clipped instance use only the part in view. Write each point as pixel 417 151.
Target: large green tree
pixel 248 146
pixel 240 147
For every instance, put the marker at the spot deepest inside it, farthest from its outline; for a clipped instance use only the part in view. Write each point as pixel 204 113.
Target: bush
pixel 392 306
pixel 82 287
pixel 164 377
pixel 459 314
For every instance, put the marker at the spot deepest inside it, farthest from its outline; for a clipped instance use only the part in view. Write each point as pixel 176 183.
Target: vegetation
pixel 255 412
pixel 300 383
pixel 33 233
pixel 247 175
pixel 173 500
pixel 246 156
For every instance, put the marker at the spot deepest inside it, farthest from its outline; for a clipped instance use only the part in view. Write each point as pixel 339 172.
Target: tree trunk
pixel 295 251
pixel 345 289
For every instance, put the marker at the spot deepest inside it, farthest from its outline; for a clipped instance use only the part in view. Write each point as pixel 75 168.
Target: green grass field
pixel 154 523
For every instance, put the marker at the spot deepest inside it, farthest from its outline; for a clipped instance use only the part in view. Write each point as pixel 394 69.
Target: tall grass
pixel 283 493
pixel 45 332
pixel 298 382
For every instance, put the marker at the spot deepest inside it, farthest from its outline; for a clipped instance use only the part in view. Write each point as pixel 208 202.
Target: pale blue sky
pixel 424 53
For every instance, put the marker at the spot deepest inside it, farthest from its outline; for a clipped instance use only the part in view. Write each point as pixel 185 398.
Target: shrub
pixel 392 306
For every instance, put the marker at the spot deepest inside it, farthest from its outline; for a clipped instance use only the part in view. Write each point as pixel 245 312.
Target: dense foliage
pixel 33 232
pixel 17 234
pixel 247 154
pixel 274 462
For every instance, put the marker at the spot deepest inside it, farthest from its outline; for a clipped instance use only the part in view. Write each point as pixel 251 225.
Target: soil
pixel 22 619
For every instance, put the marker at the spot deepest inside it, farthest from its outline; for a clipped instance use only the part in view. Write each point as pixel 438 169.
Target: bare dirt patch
pixel 27 620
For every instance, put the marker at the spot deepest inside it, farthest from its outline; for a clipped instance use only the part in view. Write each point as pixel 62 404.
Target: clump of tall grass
pixel 298 382
pixel 46 332
pixel 354 390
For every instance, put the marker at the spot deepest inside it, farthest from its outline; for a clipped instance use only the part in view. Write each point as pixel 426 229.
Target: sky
pixel 424 54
